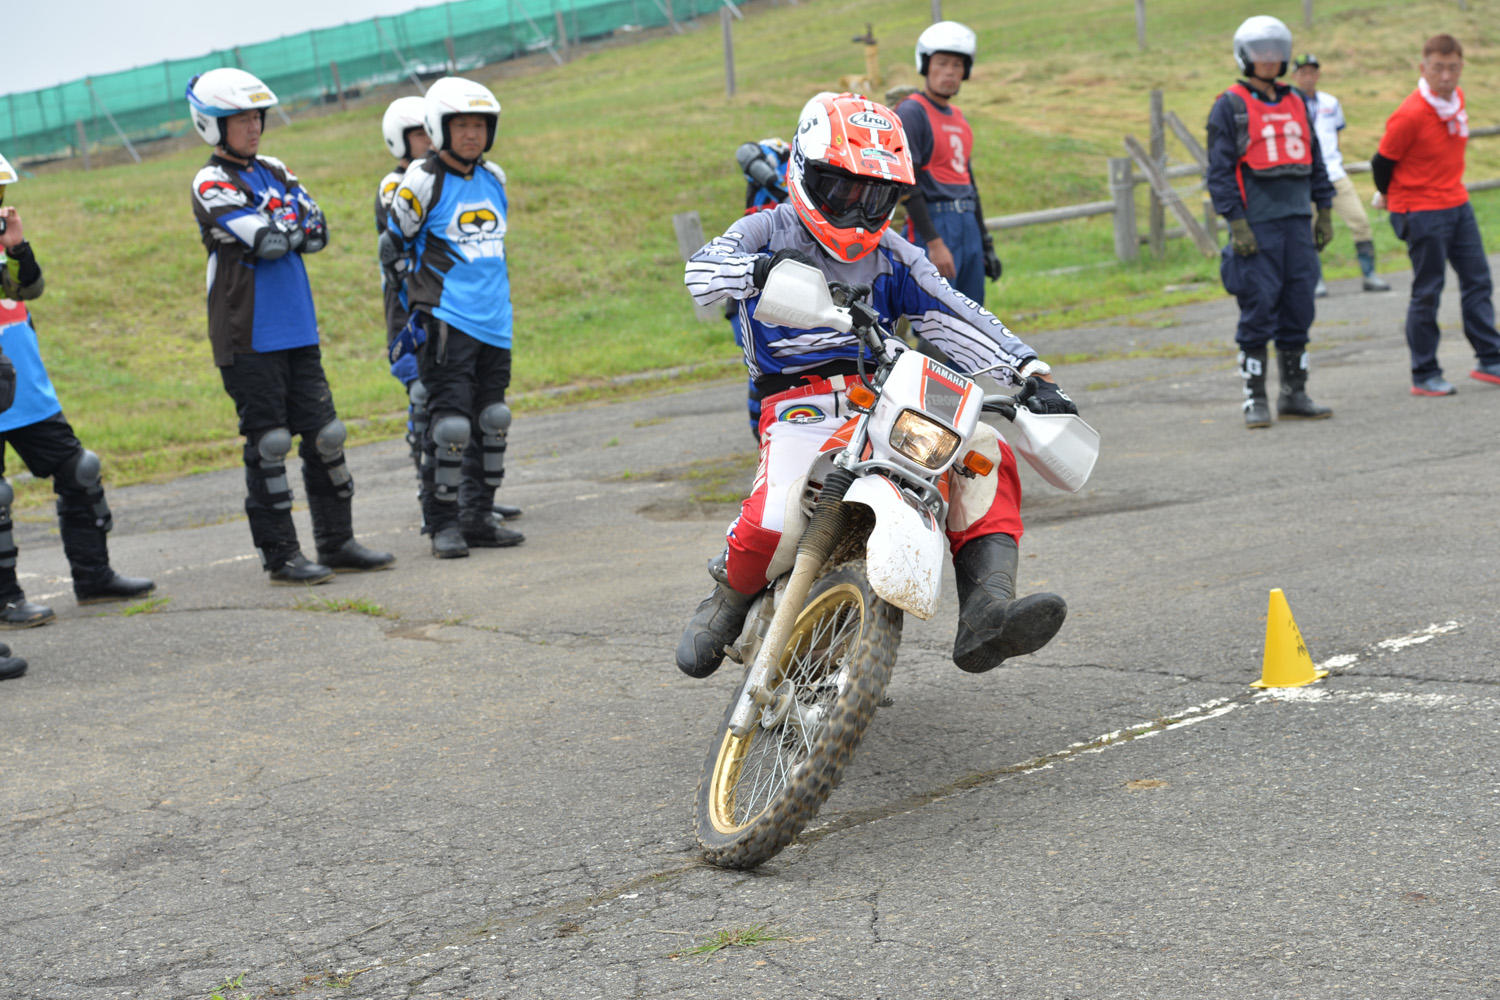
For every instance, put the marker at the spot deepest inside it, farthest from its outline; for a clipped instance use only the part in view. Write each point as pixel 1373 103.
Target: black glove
pixel 1323 228
pixel 763 265
pixel 7 383
pixel 1243 237
pixel 1041 396
pixel 992 265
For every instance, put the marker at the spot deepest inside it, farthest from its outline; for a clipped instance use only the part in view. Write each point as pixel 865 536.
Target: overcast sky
pixel 53 41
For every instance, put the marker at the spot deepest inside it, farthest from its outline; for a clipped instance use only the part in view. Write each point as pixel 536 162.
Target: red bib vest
pixel 952 142
pixel 1275 140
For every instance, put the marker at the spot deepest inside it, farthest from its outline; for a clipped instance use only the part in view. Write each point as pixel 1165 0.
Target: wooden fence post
pixel 83 143
pixel 1158 218
pixel 1140 24
pixel 728 52
pixel 1122 190
pixel 1163 189
pixel 338 84
pixel 689 228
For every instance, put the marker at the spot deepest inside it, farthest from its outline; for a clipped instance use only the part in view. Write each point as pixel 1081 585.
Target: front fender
pixel 904 554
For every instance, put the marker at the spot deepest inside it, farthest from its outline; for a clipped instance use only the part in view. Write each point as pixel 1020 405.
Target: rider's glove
pixel 316 228
pixel 1041 396
pixel 763 264
pixel 992 265
pixel 1323 228
pixel 1243 237
pixel 407 341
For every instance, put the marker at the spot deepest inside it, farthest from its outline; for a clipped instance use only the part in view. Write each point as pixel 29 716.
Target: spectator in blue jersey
pixel 849 167
pixel 449 216
pixel 943 212
pixel 407 140
pixel 35 428
pixel 257 221
pixel 764 165
pixel 1265 173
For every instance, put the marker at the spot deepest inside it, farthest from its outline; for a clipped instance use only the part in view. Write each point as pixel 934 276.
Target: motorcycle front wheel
pixel 759 791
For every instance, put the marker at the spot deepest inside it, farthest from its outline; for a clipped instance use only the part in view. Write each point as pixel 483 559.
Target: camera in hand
pixel 2 225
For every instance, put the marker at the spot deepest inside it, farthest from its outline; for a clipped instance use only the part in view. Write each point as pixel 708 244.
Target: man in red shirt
pixel 1419 176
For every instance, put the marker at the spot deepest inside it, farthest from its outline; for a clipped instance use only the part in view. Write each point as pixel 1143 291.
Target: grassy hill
pixel 601 152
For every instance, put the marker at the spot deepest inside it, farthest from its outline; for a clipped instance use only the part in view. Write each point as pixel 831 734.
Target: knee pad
pixel 269 452
pixel 7 542
pixel 82 474
pixel 417 416
pixel 450 436
pixel 329 443
pixel 494 423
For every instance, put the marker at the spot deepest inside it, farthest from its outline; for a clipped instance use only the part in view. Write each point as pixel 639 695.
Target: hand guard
pixel 1243 237
pixel 316 228
pixel 1041 396
pixel 992 265
pixel 1323 228
pixel 407 342
pixel 763 265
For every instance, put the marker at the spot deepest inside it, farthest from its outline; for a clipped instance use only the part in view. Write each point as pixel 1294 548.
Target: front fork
pixel 763 686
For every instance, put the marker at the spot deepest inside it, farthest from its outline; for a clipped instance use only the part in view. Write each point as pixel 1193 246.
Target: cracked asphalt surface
pixel 483 787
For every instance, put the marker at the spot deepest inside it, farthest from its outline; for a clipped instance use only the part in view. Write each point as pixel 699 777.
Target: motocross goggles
pixel 848 201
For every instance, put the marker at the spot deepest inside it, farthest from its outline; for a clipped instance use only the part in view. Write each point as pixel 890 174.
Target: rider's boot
pixel 1294 400
pixel 715 624
pixel 992 625
pixel 1253 370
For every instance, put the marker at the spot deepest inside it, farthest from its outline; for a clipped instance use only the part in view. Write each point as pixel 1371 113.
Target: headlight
pixel 923 440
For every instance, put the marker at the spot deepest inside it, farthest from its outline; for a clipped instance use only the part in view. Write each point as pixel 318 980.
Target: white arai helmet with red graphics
pixel 849 168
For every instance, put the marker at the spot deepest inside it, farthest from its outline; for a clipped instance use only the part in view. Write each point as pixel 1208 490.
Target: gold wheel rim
pixel 735 751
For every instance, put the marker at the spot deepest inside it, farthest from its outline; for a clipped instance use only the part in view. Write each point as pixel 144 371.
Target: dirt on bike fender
pixel 904 553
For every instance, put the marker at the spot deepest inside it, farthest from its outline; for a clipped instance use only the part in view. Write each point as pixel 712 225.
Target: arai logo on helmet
pixel 870 120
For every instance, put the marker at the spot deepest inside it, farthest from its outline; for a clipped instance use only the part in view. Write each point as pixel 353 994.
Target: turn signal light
pixel 861 396
pixel 978 464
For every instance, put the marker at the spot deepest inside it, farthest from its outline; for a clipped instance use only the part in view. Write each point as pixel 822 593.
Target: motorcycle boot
pixel 992 625
pixel 1365 251
pixel 1294 400
pixel 485 531
pixel 300 569
pixel 11 667
pixel 333 532
pixel 1253 371
pixel 715 624
pixel 448 542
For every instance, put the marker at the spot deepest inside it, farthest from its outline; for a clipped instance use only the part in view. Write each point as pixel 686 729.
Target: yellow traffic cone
pixel 1287 663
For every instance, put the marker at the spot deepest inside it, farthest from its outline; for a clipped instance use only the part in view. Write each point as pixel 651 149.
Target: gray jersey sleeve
pixel 724 267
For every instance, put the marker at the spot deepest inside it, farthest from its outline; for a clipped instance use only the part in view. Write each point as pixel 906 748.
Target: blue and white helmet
pixel 220 93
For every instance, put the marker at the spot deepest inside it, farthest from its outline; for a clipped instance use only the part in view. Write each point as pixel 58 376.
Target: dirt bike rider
pixel 407 140
pixel 37 431
pixel 11 667
pixel 449 216
pixel 256 221
pixel 764 165
pixel 849 167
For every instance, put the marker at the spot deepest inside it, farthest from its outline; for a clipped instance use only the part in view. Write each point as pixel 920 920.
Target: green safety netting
pixel 147 102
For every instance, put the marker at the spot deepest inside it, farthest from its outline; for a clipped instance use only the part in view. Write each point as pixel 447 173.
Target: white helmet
pixel 404 113
pixel 945 36
pixel 8 174
pixel 453 95
pixel 1262 39
pixel 220 93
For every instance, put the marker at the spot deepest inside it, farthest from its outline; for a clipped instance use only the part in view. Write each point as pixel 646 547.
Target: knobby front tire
pixel 758 792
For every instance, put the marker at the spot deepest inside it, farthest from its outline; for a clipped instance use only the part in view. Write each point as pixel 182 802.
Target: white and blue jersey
pixel 36 400
pixel 903 282
pixel 254 305
pixel 455 227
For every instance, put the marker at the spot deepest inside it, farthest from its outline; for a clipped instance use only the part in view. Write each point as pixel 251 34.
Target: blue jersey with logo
pixel 35 398
pixel 253 304
pixel 456 229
